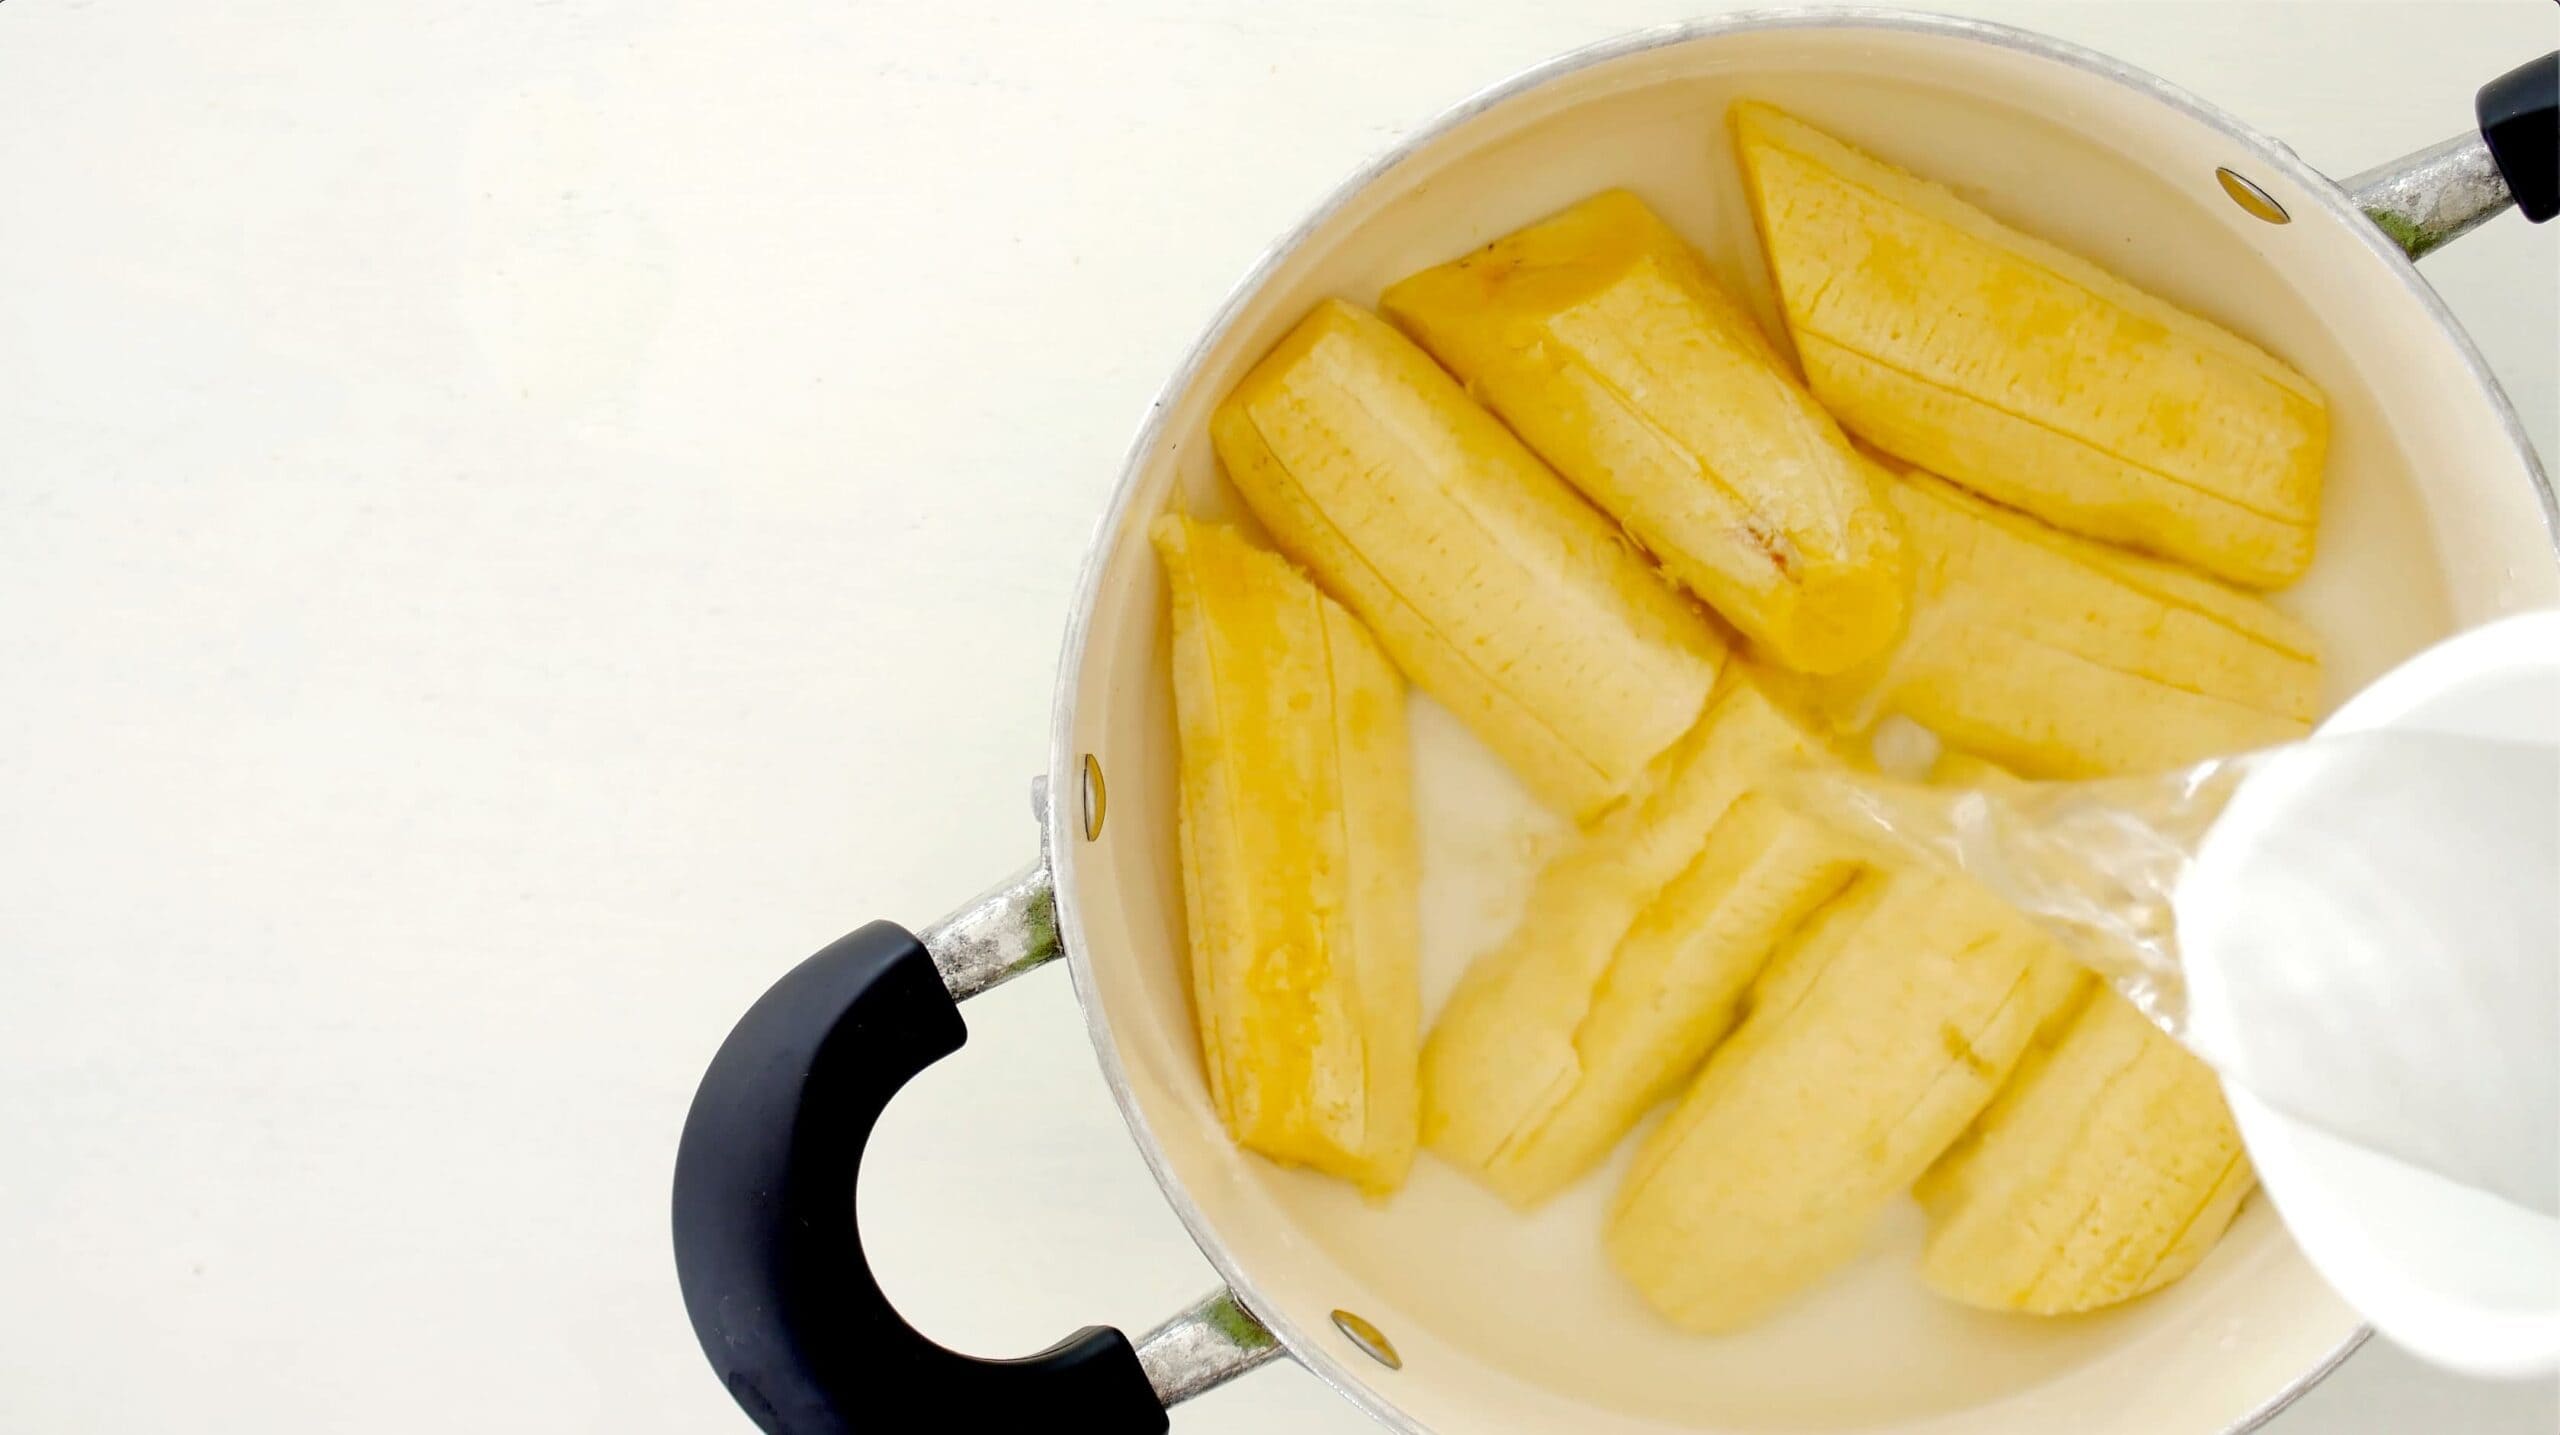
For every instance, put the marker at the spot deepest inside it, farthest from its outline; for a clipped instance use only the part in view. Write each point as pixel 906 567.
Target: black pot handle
pixel 2427 200
pixel 2519 114
pixel 767 1249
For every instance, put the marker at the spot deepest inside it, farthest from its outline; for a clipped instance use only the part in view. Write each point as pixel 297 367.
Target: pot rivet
pixel 2248 196
pixel 1096 798
pixel 1373 1343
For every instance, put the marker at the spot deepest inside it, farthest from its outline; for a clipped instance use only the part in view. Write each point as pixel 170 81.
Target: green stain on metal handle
pixel 2412 240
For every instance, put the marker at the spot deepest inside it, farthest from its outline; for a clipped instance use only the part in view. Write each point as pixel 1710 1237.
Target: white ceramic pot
pixel 2437 518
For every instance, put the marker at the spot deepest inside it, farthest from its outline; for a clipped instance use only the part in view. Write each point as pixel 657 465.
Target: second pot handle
pixel 768 1252
pixel 2429 199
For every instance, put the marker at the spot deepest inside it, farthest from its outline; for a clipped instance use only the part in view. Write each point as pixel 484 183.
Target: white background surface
pixel 519 520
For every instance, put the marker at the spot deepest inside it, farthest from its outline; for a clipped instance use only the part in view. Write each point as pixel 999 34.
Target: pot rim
pixel 1066 777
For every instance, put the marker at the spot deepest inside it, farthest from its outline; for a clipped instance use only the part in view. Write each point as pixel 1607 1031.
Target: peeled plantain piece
pixel 1627 965
pixel 1876 1034
pixel 2178 1127
pixel 2059 657
pixel 1599 336
pixel 2106 1170
pixel 1947 338
pixel 1493 585
pixel 1299 860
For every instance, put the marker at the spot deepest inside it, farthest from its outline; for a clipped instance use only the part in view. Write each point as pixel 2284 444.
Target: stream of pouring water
pixel 2382 964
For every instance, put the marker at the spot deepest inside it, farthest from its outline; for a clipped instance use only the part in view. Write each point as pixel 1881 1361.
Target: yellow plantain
pixel 1299 861
pixel 1493 585
pixel 1629 961
pixel 2060 657
pixel 1600 337
pixel 1947 338
pixel 1877 1032
pixel 2106 1170
pixel 2057 1198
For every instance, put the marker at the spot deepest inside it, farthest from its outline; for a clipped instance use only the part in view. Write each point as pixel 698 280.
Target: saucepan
pixel 1442 1310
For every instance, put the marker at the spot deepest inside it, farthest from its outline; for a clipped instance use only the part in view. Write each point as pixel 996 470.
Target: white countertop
pixel 519 520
